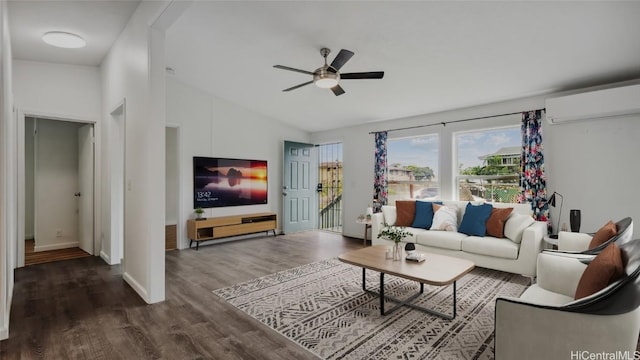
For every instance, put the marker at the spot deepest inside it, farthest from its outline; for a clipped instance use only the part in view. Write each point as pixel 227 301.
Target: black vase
pixel 574 220
pixel 409 247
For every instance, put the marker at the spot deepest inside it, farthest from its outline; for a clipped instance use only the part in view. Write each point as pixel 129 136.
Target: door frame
pixel 116 183
pixel 181 238
pixel 86 175
pixel 22 114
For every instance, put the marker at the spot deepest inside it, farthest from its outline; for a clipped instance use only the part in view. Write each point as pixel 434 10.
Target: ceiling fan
pixel 328 76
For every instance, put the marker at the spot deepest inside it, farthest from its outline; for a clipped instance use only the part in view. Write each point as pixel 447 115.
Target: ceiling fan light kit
pixel 328 76
pixel 325 79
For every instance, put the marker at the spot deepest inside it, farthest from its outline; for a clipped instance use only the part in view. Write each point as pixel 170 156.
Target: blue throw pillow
pixel 474 221
pixel 424 214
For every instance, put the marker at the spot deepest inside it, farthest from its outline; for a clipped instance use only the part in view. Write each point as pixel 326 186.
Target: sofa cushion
pixel 603 270
pixel 490 246
pixel 389 213
pixel 444 218
pixel 515 225
pixel 495 224
pixel 603 234
pixel 416 233
pixel 424 214
pixel 475 219
pixel 405 212
pixel 441 239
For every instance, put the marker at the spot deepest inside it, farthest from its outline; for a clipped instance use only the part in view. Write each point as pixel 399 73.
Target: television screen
pixel 221 182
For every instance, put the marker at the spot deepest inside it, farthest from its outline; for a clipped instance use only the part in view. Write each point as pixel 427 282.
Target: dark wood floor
pixel 82 309
pixel 31 257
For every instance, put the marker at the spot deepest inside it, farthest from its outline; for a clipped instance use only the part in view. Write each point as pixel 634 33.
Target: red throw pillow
pixel 603 234
pixel 495 224
pixel 606 268
pixel 405 211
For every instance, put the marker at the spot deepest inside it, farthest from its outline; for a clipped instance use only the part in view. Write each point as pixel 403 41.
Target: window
pixel 412 168
pixel 488 164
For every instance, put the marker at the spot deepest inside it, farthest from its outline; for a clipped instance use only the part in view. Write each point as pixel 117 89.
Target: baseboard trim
pixel 57 246
pixel 105 257
pixel 142 292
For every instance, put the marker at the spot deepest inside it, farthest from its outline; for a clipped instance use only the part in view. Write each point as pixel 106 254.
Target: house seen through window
pixel 412 165
pixel 488 164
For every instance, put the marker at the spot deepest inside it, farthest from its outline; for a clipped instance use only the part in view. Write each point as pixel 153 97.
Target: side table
pixel 367 226
pixel 551 240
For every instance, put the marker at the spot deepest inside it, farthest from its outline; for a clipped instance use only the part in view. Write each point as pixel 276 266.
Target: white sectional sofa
pixel 516 253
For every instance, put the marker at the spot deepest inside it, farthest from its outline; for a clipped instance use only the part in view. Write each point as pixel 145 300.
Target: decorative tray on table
pixel 415 257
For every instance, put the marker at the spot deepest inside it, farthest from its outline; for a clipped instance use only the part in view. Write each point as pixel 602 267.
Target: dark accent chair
pixel 578 243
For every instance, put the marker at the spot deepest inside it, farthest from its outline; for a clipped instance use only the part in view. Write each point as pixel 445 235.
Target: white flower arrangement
pixel 394 233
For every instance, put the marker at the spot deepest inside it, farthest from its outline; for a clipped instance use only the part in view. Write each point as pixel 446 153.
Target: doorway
pixel 330 187
pixel 113 249
pixel 59 189
pixel 172 188
pixel 298 188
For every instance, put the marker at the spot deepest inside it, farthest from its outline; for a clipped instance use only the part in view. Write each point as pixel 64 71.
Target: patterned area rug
pixel 322 307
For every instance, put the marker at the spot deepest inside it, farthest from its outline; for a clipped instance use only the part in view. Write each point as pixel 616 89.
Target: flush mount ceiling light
pixel 64 40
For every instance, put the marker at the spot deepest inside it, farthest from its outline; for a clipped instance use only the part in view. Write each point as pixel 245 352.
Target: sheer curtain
pixel 380 172
pixel 533 183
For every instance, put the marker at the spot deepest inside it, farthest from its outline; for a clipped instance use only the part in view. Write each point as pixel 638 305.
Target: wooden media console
pixel 225 226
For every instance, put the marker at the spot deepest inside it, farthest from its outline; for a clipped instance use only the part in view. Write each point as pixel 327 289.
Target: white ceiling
pixel 98 22
pixel 436 55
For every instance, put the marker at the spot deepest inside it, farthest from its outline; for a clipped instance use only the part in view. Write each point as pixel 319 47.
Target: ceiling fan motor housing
pixel 326 77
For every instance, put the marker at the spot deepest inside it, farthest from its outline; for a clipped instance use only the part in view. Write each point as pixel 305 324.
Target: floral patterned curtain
pixel 533 184
pixel 380 172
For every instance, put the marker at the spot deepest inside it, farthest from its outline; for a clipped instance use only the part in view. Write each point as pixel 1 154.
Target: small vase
pixel 397 252
pixel 574 219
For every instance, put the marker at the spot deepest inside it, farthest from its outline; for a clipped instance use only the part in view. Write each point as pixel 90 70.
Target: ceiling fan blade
pixel 292 69
pixel 363 75
pixel 299 86
pixel 337 90
pixel 341 59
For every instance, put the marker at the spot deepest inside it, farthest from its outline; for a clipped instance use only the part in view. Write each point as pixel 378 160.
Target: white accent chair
pixel 578 243
pixel 547 323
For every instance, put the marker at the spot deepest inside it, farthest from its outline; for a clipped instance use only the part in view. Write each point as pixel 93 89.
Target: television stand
pixel 227 226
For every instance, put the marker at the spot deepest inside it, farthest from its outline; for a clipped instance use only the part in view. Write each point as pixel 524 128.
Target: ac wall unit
pixel 594 104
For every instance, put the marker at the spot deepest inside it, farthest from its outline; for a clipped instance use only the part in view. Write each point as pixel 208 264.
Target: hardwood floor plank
pixel 82 309
pixel 32 258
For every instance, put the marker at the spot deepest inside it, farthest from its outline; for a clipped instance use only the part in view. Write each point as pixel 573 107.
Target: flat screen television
pixel 219 182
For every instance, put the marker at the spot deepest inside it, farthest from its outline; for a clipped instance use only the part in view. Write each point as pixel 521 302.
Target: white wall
pixel 129 73
pixel 56 181
pixel 58 90
pixel 211 126
pixel 8 171
pixel 594 165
